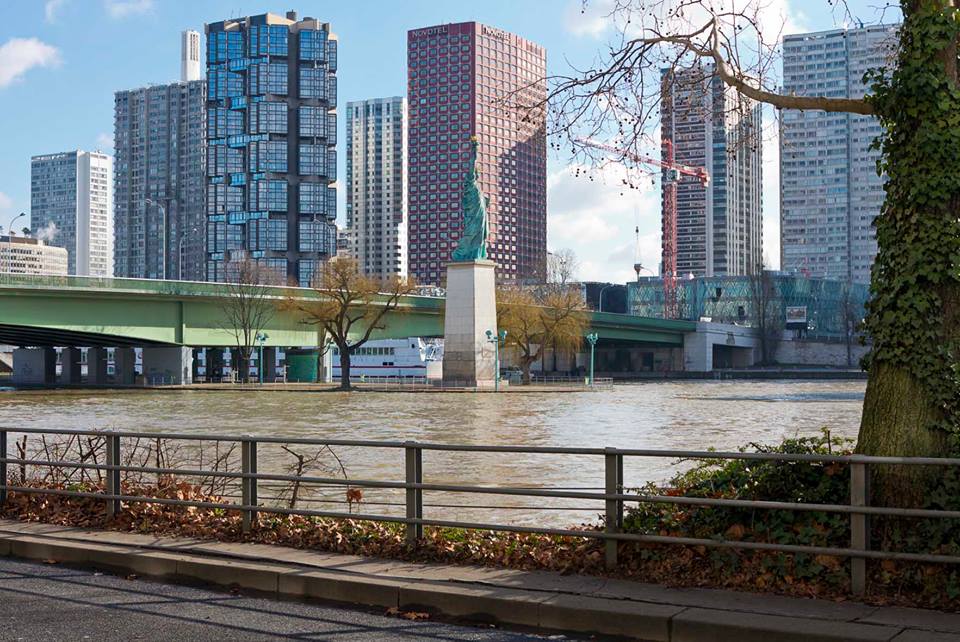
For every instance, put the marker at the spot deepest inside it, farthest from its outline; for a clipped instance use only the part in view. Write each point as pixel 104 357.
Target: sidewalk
pixel 540 600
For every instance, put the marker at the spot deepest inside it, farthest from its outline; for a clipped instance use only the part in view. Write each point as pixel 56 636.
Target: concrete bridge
pixel 168 319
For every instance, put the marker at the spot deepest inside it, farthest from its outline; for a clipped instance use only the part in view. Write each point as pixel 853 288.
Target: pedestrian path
pixel 538 600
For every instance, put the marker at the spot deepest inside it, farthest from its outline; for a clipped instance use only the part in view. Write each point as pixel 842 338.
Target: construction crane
pixel 671 177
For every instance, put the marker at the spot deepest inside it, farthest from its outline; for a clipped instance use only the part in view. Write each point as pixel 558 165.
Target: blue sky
pixel 61 61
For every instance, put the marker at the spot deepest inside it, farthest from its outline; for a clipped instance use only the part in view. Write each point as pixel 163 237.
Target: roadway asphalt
pixel 53 602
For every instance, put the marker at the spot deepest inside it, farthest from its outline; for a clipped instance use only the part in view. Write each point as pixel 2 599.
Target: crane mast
pixel 671 177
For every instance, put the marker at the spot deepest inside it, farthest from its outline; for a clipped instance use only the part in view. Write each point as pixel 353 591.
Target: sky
pixel 62 60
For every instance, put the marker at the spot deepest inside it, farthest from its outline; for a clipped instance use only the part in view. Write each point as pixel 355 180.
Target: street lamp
pixel 13 220
pixel 261 337
pixel 495 340
pixel 592 340
pixel 163 239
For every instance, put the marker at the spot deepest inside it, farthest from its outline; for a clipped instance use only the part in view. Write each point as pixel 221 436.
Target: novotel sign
pixel 430 31
pixel 494 33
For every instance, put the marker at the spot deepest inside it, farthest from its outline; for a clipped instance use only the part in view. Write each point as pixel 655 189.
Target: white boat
pixel 393 358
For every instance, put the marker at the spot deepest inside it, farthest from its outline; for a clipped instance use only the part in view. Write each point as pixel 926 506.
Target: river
pixel 692 415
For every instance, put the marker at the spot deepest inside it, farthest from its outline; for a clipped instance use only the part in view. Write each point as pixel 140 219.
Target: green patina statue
pixel 473 239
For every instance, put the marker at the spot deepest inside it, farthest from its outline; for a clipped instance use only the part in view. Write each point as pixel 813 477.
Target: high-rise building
pixel 829 188
pixel 271 137
pixel 71 205
pixel 189 55
pixel 719 225
pixel 159 181
pixel 377 185
pixel 461 81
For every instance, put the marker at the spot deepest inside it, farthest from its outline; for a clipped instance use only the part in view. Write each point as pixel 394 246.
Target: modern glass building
pixel 159 181
pixel 377 185
pixel 460 81
pixel 829 188
pixel 271 136
pixel 719 226
pixel 71 206
pixel 829 306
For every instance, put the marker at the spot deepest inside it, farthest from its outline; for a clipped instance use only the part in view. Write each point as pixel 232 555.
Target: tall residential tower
pixel 159 177
pixel 377 185
pixel 71 206
pixel 271 137
pixel 829 188
pixel 719 225
pixel 460 81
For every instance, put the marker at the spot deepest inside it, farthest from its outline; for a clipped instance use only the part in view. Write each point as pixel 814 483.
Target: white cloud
pixel 5 202
pixel 587 18
pixel 50 9
pixel 119 9
pixel 19 55
pixel 104 141
pixel 597 220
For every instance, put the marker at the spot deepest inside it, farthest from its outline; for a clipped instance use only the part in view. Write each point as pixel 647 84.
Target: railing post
pixel 3 466
pixel 859 526
pixel 613 513
pixel 414 501
pixel 113 474
pixel 248 485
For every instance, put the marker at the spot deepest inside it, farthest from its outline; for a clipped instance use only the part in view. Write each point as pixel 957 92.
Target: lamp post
pixel 261 337
pixel 495 340
pixel 163 238
pixel 12 221
pixel 592 340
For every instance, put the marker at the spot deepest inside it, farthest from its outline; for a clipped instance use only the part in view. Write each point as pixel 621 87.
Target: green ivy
pixel 918 229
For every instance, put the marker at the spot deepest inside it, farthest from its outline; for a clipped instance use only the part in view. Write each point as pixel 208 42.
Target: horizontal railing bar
pixel 508 491
pixel 628 537
pixel 559 450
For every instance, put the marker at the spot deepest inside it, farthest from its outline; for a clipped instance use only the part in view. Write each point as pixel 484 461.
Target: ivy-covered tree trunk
pixel 344 367
pixel 912 404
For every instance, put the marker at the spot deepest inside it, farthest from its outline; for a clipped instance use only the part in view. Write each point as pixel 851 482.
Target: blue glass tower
pixel 271 136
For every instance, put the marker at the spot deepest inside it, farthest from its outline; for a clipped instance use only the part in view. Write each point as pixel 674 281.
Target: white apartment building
pixel 26 255
pixel 377 185
pixel 71 206
pixel 829 188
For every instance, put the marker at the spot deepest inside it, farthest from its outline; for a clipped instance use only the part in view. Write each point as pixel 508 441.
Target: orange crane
pixel 671 178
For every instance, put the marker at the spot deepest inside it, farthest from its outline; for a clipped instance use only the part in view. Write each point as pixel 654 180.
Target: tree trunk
pixel 344 369
pixel 525 365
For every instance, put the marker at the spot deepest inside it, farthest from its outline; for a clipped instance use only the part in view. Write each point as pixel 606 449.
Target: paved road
pixel 52 602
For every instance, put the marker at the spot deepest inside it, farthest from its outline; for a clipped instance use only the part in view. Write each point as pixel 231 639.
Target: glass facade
pixel 271 157
pixel 457 77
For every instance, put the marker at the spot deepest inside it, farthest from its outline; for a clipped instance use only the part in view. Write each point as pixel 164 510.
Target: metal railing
pixel 612 499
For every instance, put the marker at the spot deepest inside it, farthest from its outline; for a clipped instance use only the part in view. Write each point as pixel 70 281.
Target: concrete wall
pixel 34 366
pixel 819 353
pixel 168 365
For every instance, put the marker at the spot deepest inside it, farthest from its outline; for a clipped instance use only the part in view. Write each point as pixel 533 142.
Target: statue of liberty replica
pixel 471 308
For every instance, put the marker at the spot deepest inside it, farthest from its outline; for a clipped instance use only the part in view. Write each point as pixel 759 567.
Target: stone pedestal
pixel 471 310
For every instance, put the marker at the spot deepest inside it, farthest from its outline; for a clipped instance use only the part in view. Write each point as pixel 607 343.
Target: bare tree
pixel 562 266
pixel 765 312
pixel 249 303
pixel 349 306
pixel 912 405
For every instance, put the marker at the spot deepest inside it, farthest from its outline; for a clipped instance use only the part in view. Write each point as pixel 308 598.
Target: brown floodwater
pixel 693 415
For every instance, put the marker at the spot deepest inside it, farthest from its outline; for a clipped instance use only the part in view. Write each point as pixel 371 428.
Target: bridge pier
pixel 124 366
pixel 96 366
pixel 70 365
pixel 35 366
pixel 172 365
pixel 214 361
pixel 269 365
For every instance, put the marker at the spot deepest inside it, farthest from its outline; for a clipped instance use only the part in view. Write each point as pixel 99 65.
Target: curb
pixel 476 603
